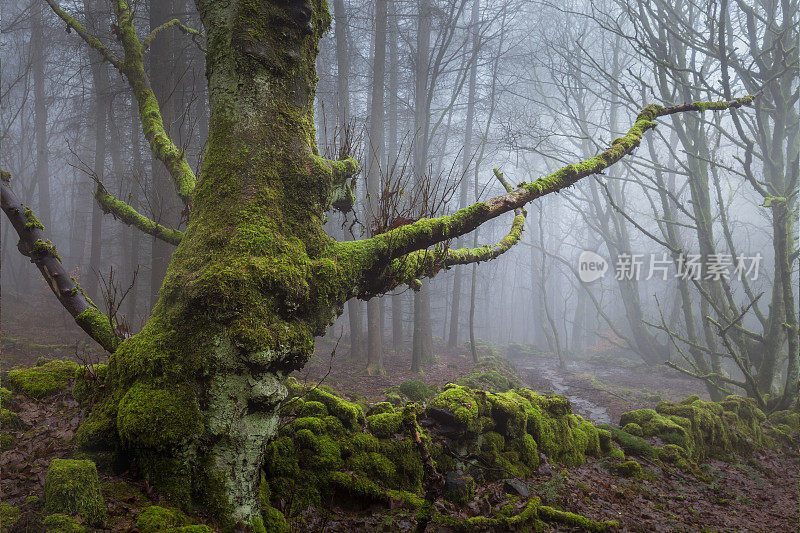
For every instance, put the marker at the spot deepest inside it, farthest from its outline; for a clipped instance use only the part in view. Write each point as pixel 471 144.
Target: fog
pixel 525 87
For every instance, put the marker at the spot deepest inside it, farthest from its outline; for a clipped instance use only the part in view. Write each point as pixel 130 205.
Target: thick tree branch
pixel 131 217
pixel 379 252
pixel 132 67
pixel 42 253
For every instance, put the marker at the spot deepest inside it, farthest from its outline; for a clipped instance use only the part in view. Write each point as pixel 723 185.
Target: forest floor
pixel 757 493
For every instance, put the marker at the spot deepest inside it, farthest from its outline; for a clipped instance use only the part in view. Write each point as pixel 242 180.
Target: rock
pixel 515 486
pixel 61 523
pixel 458 487
pixel 73 487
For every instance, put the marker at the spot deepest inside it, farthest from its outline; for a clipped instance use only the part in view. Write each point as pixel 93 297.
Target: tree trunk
pixel 166 205
pixel 392 149
pixel 100 84
pixel 375 159
pixel 40 114
pixel 452 338
pixel 422 346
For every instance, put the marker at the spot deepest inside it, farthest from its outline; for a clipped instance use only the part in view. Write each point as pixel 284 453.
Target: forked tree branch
pixel 43 253
pixel 427 263
pixel 377 254
pixel 132 67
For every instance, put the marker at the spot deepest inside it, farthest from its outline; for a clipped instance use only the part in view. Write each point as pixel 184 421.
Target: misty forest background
pixel 458 88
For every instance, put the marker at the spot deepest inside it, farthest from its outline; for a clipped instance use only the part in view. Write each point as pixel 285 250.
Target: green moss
pixel 6 397
pixel 158 418
pixel 627 469
pixel 705 429
pixel 312 409
pixel 10 420
pixel 73 487
pixel 414 390
pixel 394 399
pixel 633 428
pixel 673 454
pixel 98 326
pixel 61 523
pixel 274 521
pixel 42 381
pixel 31 222
pixel 351 414
pixel 631 444
pixel 375 466
pixel 381 408
pixel 6 442
pixel 89 380
pixel 154 519
pixel 9 514
pixel 385 425
pixel 460 403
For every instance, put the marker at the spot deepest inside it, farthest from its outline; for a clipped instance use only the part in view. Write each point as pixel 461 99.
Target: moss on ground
pixel 73 487
pixel 42 381
pixel 415 390
pixel 9 514
pixel 61 523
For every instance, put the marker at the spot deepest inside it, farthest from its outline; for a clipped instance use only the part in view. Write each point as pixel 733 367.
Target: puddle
pixel 548 369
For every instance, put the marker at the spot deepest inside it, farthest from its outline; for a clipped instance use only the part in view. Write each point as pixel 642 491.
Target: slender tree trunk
pixel 375 147
pixel 40 114
pixel 455 315
pixel 422 346
pixel 161 72
pixel 100 84
pixel 393 151
pixel 354 307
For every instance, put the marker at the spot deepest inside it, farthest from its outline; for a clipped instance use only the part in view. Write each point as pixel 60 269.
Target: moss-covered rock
pixel 627 469
pixel 385 425
pixel 380 408
pixel 633 428
pixel 73 487
pixel 61 523
pixel 42 381
pixel 155 519
pixel 274 521
pixel 704 429
pixel 317 409
pixel 415 390
pixel 349 413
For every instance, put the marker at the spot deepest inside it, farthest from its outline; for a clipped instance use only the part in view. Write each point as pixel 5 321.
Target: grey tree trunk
pixel 161 72
pixel 40 114
pixel 452 339
pixel 375 159
pixel 422 346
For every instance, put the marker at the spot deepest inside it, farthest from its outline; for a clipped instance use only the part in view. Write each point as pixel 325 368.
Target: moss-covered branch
pixel 380 251
pixel 193 33
pixel 132 67
pixel 43 253
pixel 83 33
pixel 131 217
